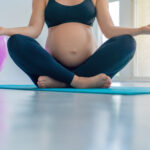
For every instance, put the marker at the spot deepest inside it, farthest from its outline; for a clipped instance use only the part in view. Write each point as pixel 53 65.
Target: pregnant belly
pixel 71 43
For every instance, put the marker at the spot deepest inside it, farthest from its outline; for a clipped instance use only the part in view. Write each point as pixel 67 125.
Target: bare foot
pixel 47 82
pixel 98 81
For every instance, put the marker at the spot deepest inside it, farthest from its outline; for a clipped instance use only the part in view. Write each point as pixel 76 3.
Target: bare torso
pixel 71 43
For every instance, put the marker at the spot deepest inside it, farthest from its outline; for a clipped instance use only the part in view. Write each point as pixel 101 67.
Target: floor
pixel 40 120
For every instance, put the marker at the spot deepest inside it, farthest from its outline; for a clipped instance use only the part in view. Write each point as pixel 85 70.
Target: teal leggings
pixel 35 61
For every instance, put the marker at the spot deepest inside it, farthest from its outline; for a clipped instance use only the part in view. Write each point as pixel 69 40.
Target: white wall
pixel 16 13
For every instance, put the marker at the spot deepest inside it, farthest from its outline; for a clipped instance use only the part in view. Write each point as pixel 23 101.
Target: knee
pixel 13 41
pixel 128 44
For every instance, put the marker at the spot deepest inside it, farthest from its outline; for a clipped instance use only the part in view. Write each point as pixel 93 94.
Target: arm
pixel 35 25
pixel 107 26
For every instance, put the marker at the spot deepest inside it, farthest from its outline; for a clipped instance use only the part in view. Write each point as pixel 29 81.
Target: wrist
pixel 3 31
pixel 141 31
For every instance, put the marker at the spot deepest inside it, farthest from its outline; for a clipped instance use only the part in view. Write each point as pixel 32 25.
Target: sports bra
pixel 56 13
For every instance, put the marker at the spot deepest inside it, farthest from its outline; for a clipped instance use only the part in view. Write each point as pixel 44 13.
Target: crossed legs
pixel 35 61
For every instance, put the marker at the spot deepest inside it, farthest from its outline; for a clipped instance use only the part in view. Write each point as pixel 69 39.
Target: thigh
pixel 25 52
pixel 34 60
pixel 109 57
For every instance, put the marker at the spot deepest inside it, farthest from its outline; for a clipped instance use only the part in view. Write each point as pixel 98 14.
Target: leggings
pixel 35 61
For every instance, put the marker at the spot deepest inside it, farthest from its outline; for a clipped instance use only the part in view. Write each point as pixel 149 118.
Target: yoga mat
pixel 112 90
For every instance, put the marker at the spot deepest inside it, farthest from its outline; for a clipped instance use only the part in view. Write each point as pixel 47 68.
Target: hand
pixel 145 29
pixel 1 31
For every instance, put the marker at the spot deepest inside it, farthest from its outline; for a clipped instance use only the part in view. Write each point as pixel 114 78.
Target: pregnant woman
pixel 71 57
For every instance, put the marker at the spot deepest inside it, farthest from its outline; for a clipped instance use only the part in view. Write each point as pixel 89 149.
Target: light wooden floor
pixel 36 120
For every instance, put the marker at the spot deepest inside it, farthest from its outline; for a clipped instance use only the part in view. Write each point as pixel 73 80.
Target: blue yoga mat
pixel 111 90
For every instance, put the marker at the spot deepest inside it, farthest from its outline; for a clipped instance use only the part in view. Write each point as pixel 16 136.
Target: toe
pixel 108 79
pixel 40 84
pixel 41 78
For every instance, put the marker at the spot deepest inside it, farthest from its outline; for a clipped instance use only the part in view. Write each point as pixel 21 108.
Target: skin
pixel 73 47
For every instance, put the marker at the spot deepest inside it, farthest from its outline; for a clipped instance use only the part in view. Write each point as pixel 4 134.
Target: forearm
pixel 116 31
pixel 28 31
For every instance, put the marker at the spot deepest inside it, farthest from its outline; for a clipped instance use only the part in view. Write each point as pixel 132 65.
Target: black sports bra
pixel 56 13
